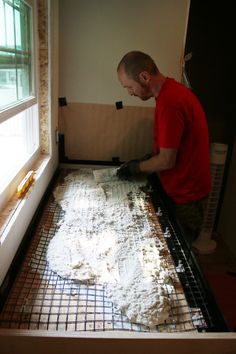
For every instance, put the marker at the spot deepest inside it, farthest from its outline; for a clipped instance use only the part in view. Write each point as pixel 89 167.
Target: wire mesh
pixel 40 299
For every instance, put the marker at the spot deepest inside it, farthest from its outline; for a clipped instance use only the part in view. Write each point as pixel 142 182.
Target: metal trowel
pixel 104 175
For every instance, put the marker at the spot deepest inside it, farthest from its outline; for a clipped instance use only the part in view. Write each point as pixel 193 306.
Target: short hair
pixel 135 62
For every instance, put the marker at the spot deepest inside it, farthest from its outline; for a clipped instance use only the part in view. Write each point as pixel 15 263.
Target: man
pixel 180 154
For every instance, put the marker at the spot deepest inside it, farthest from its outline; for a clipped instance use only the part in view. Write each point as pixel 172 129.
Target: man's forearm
pixel 163 161
pixel 151 165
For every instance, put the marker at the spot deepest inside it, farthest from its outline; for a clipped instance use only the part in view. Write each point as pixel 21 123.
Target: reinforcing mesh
pixel 40 299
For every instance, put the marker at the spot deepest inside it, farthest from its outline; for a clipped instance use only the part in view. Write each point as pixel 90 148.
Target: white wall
pixel 95 34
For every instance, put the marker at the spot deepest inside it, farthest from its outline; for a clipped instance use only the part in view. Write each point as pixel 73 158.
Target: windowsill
pixel 15 204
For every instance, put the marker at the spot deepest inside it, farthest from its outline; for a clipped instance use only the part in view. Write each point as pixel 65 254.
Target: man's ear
pixel 144 77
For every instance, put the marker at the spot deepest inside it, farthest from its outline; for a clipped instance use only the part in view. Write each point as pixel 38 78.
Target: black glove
pixel 129 169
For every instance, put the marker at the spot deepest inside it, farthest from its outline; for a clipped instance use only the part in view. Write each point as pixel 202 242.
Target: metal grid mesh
pixel 40 299
pixel 191 280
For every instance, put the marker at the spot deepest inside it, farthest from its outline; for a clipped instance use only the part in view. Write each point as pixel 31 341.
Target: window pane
pixel 23 78
pixel 18 141
pixel 16 76
pixel 2 26
pixel 8 92
pixel 18 33
pixel 9 26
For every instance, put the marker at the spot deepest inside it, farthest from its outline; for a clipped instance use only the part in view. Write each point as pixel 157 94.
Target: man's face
pixel 133 87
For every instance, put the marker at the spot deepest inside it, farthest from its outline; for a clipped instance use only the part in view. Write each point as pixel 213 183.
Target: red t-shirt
pixel 180 123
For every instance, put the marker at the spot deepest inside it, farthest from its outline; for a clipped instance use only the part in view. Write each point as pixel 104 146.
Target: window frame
pixel 11 110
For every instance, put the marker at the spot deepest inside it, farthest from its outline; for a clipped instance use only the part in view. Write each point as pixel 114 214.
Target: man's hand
pixel 129 169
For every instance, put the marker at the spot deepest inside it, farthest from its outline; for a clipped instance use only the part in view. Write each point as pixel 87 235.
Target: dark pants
pixel 191 217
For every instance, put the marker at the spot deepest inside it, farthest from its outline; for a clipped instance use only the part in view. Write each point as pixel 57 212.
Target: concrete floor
pixel 219 269
pixel 221 260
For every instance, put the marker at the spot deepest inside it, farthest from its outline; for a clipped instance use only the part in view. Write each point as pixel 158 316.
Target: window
pixel 18 141
pixel 16 54
pixel 19 122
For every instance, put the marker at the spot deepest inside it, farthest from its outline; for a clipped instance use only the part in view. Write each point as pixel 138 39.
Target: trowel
pixel 104 175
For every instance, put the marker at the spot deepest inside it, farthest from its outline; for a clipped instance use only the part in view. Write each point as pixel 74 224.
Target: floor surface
pixel 219 268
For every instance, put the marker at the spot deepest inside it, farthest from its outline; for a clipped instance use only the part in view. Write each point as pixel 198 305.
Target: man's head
pixel 135 72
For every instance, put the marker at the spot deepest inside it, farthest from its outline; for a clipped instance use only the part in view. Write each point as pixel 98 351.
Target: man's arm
pixel 165 160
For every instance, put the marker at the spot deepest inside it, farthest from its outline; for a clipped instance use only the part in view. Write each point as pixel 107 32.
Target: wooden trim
pixel 24 341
